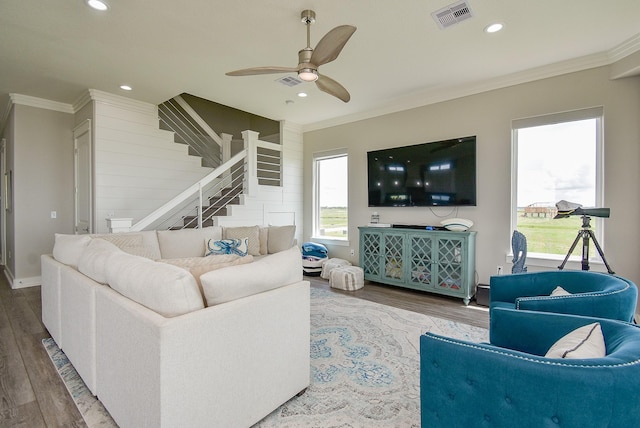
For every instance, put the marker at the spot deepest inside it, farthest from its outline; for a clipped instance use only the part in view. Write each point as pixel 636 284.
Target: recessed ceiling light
pixel 302 94
pixel 494 28
pixel 126 87
pixel 98 5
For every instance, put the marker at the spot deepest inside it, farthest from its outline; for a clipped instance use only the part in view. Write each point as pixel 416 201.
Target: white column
pixel 251 165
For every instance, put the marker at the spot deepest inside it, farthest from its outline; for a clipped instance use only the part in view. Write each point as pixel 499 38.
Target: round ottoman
pixel 330 265
pixel 348 278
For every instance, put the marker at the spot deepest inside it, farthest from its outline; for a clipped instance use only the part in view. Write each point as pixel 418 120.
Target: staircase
pixel 217 207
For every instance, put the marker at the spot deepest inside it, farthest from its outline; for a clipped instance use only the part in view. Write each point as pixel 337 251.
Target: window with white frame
pixel 556 157
pixel 330 201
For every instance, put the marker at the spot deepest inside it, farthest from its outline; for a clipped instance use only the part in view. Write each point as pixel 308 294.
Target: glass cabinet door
pixel 393 256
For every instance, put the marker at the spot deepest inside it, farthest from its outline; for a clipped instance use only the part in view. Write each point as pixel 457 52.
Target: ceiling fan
pixel 309 59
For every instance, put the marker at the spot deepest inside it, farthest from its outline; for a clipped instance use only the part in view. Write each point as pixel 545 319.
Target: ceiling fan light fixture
pixel 308 74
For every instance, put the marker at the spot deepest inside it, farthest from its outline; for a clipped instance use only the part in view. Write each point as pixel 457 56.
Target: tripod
pixel 586 233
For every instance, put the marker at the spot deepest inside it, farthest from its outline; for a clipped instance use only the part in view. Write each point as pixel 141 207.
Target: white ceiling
pixel 398 58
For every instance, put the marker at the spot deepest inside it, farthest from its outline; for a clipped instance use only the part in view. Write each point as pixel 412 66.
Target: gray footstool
pixel 348 278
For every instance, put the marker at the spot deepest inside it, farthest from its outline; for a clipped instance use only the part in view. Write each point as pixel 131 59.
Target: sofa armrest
pixel 227 365
pixel 469 384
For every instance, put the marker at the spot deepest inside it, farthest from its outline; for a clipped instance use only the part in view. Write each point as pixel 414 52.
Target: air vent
pixel 452 14
pixel 289 81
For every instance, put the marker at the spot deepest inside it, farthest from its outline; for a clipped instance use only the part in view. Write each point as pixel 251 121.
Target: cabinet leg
pixel 466 301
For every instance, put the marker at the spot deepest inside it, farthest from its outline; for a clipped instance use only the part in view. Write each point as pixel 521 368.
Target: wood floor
pixel 416 301
pixel 32 394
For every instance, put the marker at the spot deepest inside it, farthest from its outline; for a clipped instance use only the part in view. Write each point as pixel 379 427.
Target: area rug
pixel 364 367
pixel 91 409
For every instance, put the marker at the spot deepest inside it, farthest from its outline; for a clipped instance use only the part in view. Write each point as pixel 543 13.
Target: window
pixel 556 157
pixel 330 203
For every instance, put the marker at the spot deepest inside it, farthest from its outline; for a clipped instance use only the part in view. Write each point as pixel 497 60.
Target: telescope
pixel 592 212
pixel 566 209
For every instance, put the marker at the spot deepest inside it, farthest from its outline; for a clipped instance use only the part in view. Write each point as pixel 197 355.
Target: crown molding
pixel 447 93
pixel 28 100
pixel 625 48
pixel 120 102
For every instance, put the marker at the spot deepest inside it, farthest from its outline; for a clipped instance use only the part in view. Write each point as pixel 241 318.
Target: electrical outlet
pixel 54 214
pixel 499 270
pixel 352 252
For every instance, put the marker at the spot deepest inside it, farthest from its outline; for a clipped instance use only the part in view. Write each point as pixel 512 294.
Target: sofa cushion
pixel 67 249
pixel 280 238
pixel 264 240
pixel 584 342
pixel 161 287
pixel 239 247
pixel 94 261
pixel 272 271
pixel 251 232
pixel 186 242
pixel 198 266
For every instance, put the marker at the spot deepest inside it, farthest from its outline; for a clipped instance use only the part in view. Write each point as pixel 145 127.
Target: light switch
pixel 54 214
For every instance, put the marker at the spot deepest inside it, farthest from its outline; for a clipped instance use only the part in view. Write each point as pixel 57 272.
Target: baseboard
pixel 24 282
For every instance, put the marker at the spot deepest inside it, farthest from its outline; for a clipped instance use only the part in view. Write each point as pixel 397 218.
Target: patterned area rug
pixel 91 409
pixel 364 367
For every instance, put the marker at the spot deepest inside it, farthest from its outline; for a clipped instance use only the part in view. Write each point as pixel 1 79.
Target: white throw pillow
pixel 94 260
pixel 163 288
pixel 67 249
pixel 281 238
pixel 584 342
pixel 559 291
pixel 137 244
pixel 250 232
pixel 272 271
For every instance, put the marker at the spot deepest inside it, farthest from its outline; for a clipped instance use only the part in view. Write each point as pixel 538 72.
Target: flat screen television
pixel 441 173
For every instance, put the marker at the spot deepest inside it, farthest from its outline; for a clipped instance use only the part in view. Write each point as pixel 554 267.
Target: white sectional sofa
pixel 168 346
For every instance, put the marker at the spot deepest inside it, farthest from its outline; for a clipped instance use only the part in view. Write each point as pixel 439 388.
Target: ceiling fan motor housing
pixel 308 17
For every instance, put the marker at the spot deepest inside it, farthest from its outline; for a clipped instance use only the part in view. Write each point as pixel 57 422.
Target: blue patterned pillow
pixel 239 247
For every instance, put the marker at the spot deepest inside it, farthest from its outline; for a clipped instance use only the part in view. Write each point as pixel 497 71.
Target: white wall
pixel 276 205
pixel 488 115
pixel 138 167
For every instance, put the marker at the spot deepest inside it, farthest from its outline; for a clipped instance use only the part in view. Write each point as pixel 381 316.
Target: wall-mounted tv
pixel 441 173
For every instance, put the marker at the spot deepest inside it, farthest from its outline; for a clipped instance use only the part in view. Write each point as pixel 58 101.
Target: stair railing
pixel 257 164
pixel 178 116
pixel 201 190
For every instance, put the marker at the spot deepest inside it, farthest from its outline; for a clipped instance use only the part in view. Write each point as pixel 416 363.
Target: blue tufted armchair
pixel 509 383
pixel 592 294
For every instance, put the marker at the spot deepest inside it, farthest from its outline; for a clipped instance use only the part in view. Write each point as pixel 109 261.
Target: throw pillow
pixel 559 291
pixel 239 247
pixel 129 243
pixel 198 266
pixel 280 238
pixel 584 342
pixel 250 232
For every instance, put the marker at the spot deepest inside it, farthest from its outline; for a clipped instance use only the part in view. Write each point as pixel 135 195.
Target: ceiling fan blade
pixel 330 46
pixel 262 70
pixel 331 87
